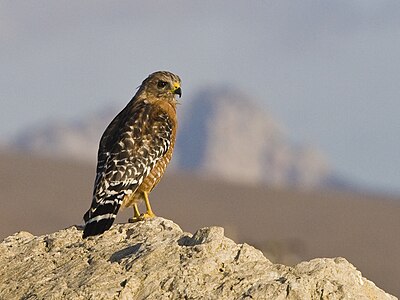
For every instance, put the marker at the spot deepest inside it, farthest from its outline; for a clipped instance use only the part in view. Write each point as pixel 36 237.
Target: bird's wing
pixel 129 149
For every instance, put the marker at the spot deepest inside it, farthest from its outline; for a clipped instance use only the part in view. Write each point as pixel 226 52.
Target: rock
pixel 155 259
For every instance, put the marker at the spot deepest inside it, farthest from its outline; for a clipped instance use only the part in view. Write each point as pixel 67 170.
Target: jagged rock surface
pixel 157 260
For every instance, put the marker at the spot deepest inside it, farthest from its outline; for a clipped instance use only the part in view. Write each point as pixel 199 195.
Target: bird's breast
pixel 157 172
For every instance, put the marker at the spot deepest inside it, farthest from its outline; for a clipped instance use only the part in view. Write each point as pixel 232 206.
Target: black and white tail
pixel 101 216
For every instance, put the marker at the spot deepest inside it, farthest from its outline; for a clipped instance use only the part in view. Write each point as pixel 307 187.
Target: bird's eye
pixel 162 84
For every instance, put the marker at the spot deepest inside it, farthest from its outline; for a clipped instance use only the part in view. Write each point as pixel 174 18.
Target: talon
pixel 147 215
pixel 137 216
pixel 142 217
pixel 135 219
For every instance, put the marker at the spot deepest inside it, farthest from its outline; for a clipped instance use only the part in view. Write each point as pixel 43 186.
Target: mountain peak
pixel 223 133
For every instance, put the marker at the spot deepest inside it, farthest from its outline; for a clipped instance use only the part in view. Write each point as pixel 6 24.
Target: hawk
pixel 134 152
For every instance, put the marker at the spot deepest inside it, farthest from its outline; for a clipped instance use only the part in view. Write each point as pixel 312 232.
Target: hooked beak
pixel 178 92
pixel 177 89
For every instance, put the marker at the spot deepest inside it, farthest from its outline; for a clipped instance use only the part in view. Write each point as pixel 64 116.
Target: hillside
pixel 226 134
pixel 155 259
pixel 42 196
pixel 222 133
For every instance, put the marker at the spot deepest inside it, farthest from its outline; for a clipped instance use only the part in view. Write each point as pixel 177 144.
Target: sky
pixel 329 71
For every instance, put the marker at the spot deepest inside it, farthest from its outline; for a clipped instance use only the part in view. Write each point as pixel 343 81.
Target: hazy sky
pixel 328 70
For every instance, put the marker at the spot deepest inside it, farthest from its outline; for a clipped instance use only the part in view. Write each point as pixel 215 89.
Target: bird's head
pixel 162 85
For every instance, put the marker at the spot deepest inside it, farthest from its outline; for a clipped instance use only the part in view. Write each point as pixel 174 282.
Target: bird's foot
pixel 134 220
pixel 142 217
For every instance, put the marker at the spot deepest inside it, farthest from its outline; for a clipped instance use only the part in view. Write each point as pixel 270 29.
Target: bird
pixel 134 152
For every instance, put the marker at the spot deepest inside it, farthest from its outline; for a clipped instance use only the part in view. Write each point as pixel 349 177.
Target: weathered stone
pixel 156 260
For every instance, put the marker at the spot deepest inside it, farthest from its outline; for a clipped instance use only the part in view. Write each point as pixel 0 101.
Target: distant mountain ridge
pixel 222 133
pixel 226 134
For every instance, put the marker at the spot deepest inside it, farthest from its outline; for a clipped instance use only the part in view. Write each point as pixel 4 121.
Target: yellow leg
pixel 149 213
pixel 140 217
pixel 136 214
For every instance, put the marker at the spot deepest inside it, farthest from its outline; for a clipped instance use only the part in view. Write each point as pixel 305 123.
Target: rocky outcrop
pixel 157 260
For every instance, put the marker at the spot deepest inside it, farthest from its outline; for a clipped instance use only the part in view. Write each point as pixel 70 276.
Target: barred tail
pixel 99 219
